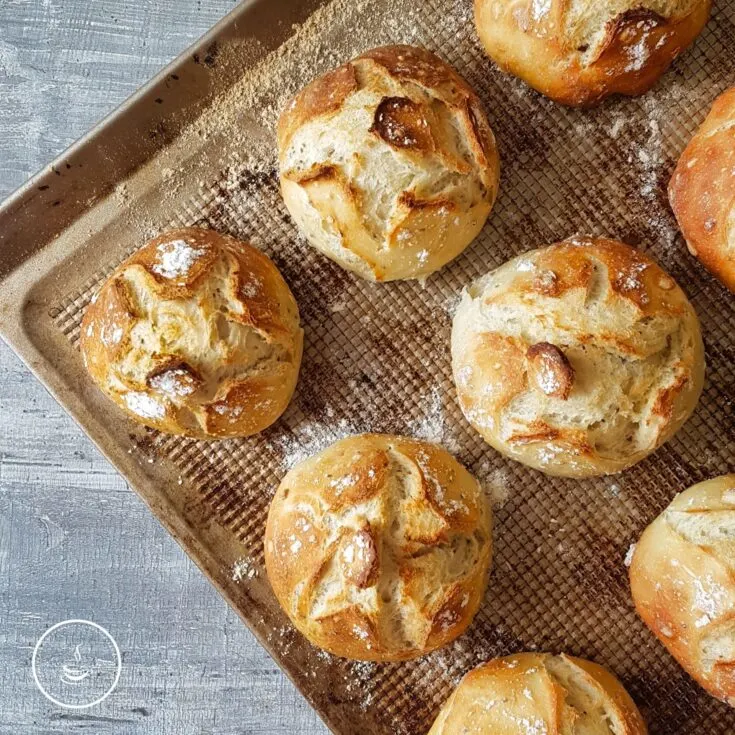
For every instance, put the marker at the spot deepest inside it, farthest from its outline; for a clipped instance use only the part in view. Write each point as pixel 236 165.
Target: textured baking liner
pixel 377 358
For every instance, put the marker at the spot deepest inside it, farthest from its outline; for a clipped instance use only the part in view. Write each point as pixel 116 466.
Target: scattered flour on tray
pixel 243 568
pixel 305 438
pixel 430 425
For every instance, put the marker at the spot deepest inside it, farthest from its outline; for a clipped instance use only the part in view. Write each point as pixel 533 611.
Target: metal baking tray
pixel 196 146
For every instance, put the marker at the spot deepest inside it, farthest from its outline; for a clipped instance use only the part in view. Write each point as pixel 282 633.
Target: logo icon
pixel 76 664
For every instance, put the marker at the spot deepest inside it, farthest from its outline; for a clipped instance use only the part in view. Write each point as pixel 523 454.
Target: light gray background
pixel 75 541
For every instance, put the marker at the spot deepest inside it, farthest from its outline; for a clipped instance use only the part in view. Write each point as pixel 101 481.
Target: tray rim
pixel 14 335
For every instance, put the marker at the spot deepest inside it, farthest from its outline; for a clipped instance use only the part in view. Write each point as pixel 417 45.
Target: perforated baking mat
pixel 196 147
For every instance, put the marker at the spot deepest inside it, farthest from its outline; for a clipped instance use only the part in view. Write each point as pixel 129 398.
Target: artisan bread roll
pixel 682 577
pixel 702 191
pixel 539 694
pixel 196 334
pixel 580 51
pixel 578 359
pixel 378 547
pixel 388 164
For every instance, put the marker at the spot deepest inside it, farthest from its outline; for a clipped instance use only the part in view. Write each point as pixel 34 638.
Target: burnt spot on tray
pixel 255 180
pixel 210 56
pixel 159 131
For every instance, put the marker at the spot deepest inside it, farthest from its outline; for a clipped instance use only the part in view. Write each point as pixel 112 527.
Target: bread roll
pixel 578 359
pixel 539 694
pixel 683 581
pixel 388 164
pixel 378 547
pixel 195 334
pixel 702 191
pixel 580 51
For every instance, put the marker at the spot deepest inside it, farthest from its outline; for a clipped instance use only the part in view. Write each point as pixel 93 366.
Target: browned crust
pixel 665 576
pixel 326 94
pixel 572 440
pixel 497 688
pixel 264 302
pixel 626 26
pixel 247 406
pixel 370 468
pixel 184 376
pixel 495 361
pixel 410 201
pixel 368 475
pixel 631 274
pixel 114 314
pixel 668 398
pixel 418 65
pixel 323 96
pixel 417 103
pixel 202 241
pixel 362 568
pixel 702 191
pixel 537 53
pixel 402 123
pixel 492 369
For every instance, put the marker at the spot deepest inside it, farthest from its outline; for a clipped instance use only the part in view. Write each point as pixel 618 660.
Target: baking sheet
pixel 377 356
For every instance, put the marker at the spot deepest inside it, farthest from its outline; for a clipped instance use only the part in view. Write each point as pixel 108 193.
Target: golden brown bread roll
pixel 578 359
pixel 580 51
pixel 682 577
pixel 378 547
pixel 388 164
pixel 539 694
pixel 702 191
pixel 197 334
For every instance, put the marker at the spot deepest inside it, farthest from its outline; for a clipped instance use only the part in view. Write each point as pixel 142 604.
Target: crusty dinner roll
pixel 577 359
pixel 388 164
pixel 195 334
pixel 702 191
pixel 683 581
pixel 378 547
pixel 580 51
pixel 539 694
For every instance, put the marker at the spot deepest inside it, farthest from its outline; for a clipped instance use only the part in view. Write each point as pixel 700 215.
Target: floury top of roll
pixel 196 333
pixel 378 547
pixel 539 694
pixel 683 582
pixel 577 359
pixel 702 191
pixel 388 164
pixel 580 51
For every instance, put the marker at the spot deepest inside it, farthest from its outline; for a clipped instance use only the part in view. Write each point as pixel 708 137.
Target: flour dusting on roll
pixel 196 334
pixel 378 547
pixel 578 359
pixel 580 51
pixel 539 694
pixel 683 582
pixel 702 191
pixel 388 164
